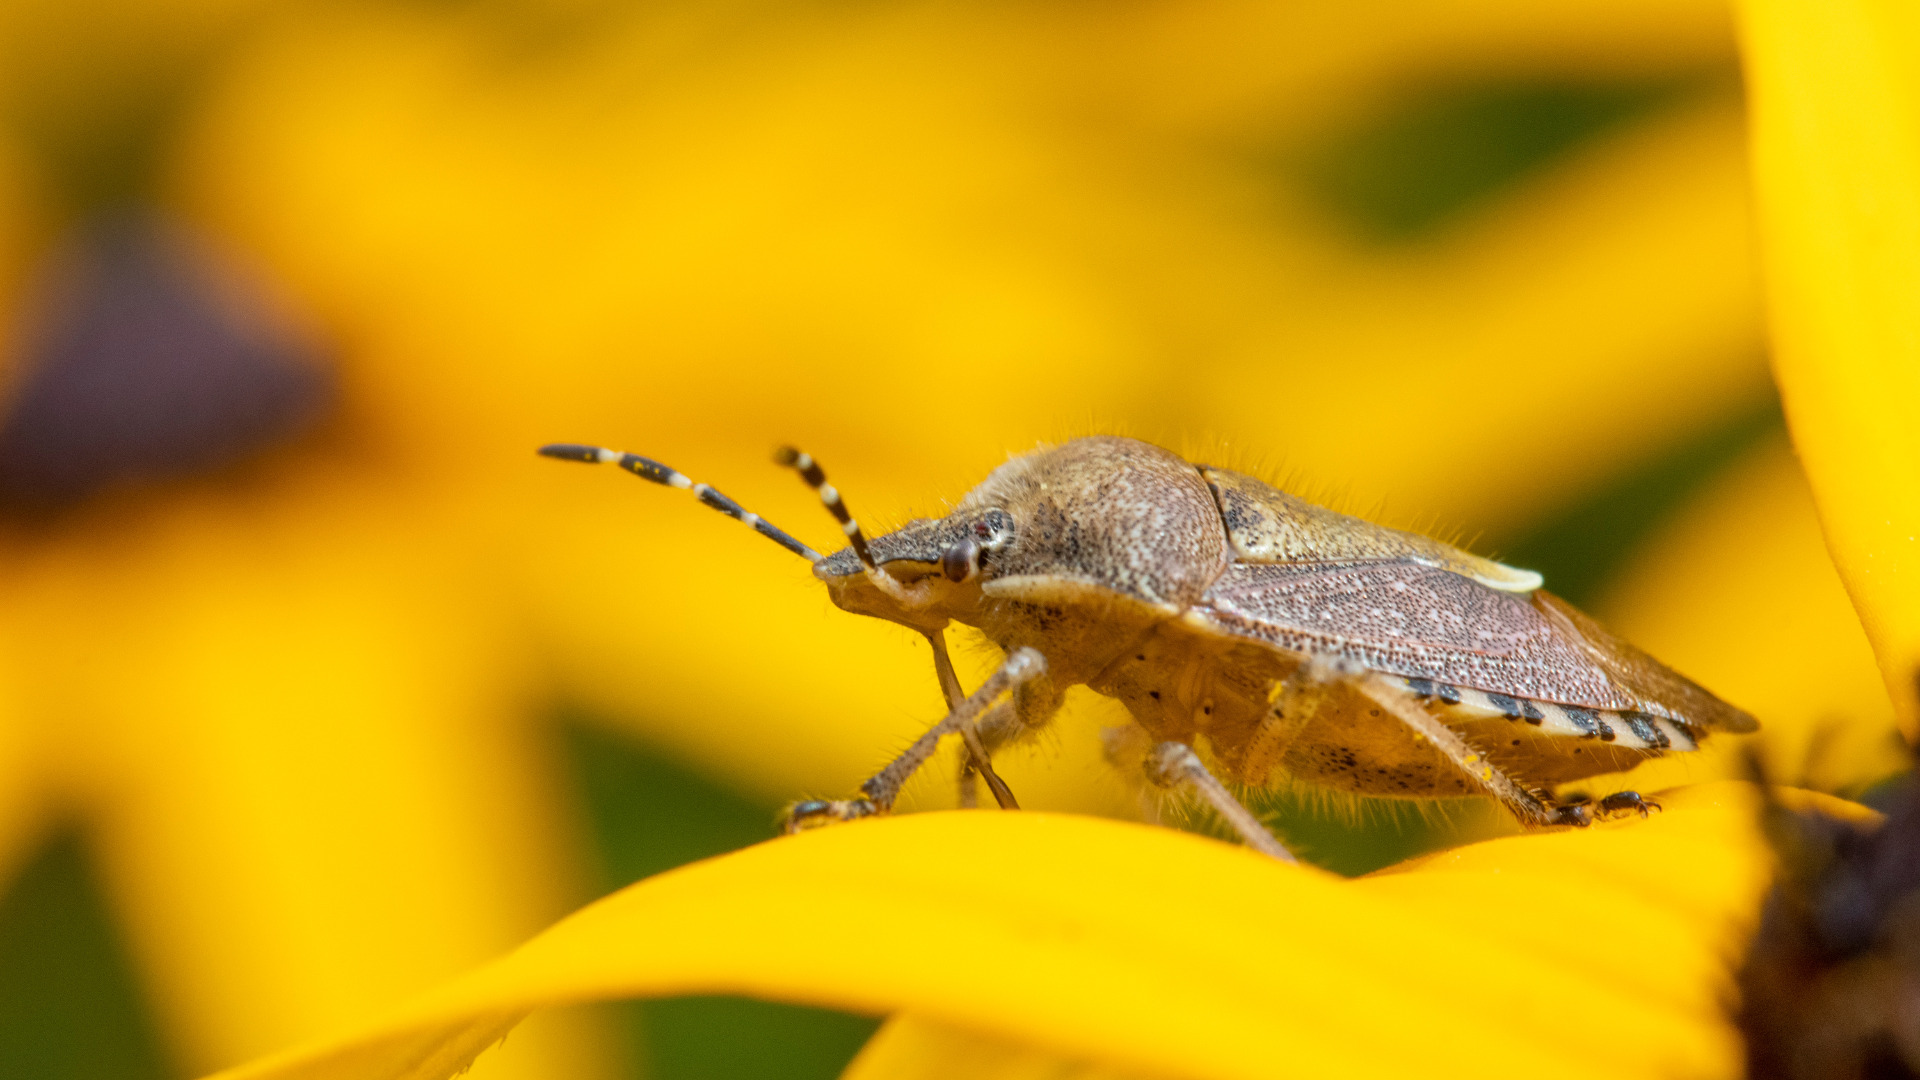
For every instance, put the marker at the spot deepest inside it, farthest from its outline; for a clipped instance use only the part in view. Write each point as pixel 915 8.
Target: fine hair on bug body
pixel 1253 638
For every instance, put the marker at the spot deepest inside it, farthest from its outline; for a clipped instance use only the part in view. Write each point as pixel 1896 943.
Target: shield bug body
pixel 1278 637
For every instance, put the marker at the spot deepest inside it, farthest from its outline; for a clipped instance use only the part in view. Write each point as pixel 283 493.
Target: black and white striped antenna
pixel 816 479
pixel 649 469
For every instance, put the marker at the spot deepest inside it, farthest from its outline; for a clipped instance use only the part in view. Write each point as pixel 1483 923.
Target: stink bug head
pixel 924 573
pixel 957 547
pixel 1064 534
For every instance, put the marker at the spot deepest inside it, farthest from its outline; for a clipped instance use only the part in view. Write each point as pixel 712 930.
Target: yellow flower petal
pixel 1836 146
pixel 1163 953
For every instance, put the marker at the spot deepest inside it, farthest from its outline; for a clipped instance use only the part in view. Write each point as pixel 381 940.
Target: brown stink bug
pixel 1282 637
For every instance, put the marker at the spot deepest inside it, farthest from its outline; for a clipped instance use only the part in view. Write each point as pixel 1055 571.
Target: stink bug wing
pixel 1406 619
pixel 1267 525
pixel 1419 622
pixel 1641 675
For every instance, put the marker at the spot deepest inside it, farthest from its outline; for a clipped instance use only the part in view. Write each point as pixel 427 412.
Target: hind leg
pixel 1530 806
pixel 1618 804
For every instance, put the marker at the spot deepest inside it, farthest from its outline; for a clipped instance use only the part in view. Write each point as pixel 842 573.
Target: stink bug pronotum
pixel 1296 640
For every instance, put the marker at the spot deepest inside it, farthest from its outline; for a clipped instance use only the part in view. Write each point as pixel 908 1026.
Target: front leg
pixel 880 791
pixel 975 760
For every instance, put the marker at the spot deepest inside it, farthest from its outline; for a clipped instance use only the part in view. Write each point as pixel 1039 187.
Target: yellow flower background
pixel 319 726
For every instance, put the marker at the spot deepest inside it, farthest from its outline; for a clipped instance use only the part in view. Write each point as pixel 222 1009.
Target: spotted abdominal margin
pixel 1626 729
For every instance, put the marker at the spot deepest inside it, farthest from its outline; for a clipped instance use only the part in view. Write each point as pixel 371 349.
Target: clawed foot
pixel 1580 811
pixel 814 813
pixel 1627 802
pixel 1575 812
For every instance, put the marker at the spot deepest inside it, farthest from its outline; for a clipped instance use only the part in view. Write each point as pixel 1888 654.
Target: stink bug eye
pixel 1300 642
pixel 991 533
pixel 960 560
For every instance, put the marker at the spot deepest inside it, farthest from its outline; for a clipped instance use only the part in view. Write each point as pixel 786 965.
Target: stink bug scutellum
pixel 1296 640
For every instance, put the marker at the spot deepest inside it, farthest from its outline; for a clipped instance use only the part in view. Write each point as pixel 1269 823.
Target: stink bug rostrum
pixel 1298 641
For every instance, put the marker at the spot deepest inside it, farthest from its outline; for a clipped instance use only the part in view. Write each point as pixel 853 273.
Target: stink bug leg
pixel 1576 811
pixel 1526 805
pixel 883 787
pixel 1295 700
pixel 1175 765
pixel 976 758
pixel 1627 802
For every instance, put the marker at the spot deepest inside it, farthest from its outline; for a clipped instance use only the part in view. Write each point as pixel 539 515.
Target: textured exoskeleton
pixel 1276 636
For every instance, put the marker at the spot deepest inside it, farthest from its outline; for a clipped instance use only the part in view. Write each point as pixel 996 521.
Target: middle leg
pixel 1531 807
pixel 975 760
pixel 1175 765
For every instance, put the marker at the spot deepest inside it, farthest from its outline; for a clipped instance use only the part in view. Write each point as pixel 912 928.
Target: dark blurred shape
pixel 143 359
pixel 1831 987
pixel 650 814
pixel 1579 549
pixel 1440 152
pixel 70 1007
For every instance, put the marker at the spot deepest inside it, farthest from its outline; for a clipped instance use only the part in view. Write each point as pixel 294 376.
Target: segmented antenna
pixel 649 469
pixel 810 471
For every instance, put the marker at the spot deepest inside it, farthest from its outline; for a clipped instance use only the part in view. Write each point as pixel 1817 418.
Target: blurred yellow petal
pixel 784 207
pixel 1165 954
pixel 1222 64
pixel 1739 593
pixel 293 727
pixel 69 71
pixel 19 229
pixel 1836 147
pixel 1583 324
